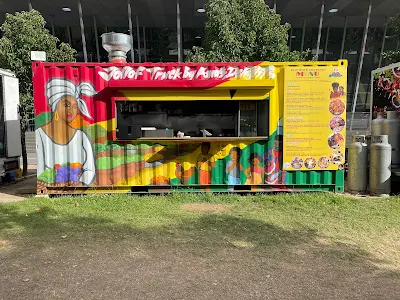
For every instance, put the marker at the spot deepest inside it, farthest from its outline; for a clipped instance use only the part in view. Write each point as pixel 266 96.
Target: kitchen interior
pixel 191 119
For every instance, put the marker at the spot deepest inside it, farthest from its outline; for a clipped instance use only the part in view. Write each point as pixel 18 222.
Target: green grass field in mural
pixel 42 119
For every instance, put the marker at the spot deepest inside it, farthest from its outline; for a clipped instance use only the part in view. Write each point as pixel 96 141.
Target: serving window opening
pixel 191 119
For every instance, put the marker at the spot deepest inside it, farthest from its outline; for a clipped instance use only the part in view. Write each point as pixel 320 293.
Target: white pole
pixel 344 38
pixel 82 31
pixel 361 62
pixel 304 34
pixel 138 38
pixel 326 42
pixel 53 31
pixel 97 38
pixel 321 20
pixel 130 30
pixel 179 30
pixel 383 41
pixel 144 44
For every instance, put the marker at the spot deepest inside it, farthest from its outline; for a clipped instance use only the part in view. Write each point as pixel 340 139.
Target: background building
pixel 351 29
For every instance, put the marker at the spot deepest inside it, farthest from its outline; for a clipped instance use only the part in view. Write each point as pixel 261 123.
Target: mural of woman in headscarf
pixel 64 154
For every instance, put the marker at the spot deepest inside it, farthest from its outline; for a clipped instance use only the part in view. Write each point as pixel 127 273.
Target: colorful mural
pixel 76 129
pixel 386 90
pixel 64 153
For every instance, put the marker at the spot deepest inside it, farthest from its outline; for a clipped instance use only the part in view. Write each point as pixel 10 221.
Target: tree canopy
pixel 394 24
pixel 22 33
pixel 25 32
pixel 243 30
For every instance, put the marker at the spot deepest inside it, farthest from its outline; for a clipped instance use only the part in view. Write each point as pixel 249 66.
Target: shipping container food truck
pixel 119 127
pixel 10 130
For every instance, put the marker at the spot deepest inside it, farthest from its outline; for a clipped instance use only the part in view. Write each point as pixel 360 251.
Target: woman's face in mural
pixel 234 155
pixel 67 109
pixel 277 146
pixel 205 149
pixel 255 161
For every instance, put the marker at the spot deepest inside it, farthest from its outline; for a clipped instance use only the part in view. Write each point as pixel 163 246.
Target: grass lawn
pixel 201 246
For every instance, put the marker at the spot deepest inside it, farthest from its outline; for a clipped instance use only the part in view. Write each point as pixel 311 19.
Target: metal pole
pixel 53 32
pixel 178 30
pixel 303 34
pixel 326 42
pixel 144 44
pixel 97 38
pixel 274 5
pixel 138 37
pixel 344 37
pixel 398 45
pixel 69 36
pixel 321 20
pixel 383 41
pixel 130 30
pixel 30 5
pixel 360 64
pixel 82 31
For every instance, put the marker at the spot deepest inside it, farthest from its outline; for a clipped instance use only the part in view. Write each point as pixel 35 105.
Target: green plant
pixel 393 56
pixel 24 32
pixel 244 30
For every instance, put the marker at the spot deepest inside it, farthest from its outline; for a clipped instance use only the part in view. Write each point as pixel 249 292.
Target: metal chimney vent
pixel 117 45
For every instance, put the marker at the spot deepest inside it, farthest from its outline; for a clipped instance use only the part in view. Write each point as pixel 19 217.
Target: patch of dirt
pixel 214 256
pixel 207 207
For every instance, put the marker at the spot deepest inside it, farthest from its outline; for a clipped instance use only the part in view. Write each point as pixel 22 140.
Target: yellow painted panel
pixel 191 95
pixel 246 84
pixel 315 116
pixel 107 124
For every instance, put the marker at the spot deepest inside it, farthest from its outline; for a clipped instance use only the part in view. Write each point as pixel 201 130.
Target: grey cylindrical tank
pixel 380 166
pixel 376 125
pixel 357 165
pixel 368 142
pixel 391 128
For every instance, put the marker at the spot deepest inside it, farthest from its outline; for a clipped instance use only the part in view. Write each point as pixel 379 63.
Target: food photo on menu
pixel 324 162
pixel 337 157
pixel 310 163
pixel 335 140
pixel 336 107
pixel 297 163
pixel 337 124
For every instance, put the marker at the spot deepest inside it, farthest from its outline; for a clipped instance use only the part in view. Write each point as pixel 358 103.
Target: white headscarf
pixel 57 89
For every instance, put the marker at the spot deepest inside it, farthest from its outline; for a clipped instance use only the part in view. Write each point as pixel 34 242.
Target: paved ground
pixel 18 190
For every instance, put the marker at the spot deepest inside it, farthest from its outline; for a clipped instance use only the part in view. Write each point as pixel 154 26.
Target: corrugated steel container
pixel 78 150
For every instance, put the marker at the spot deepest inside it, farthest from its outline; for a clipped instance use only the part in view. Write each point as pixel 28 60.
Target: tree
pixel 22 33
pixel 393 56
pixel 243 30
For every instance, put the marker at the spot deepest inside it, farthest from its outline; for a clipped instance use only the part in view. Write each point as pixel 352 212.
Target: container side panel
pixel 76 150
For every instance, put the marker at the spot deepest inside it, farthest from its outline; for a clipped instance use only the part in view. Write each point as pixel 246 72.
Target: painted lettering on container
pixel 186 73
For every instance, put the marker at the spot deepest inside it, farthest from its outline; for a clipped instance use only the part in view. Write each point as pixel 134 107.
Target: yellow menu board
pixel 314 122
